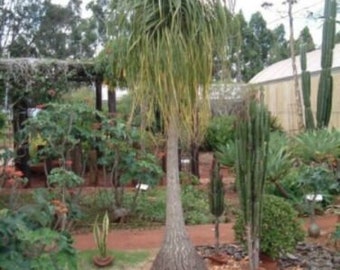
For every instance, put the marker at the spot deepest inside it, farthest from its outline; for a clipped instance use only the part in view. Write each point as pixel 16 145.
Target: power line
pixel 294 12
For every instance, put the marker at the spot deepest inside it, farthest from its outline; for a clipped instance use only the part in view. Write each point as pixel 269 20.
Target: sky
pixel 277 14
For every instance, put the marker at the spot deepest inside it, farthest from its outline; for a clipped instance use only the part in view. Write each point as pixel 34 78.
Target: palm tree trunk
pixel 177 251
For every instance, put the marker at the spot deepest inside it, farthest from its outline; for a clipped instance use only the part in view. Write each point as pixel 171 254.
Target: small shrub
pixel 195 206
pixel 280 230
pixel 220 131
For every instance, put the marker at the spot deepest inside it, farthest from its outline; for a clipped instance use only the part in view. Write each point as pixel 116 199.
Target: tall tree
pixel 305 38
pixel 19 21
pixel 43 29
pixel 262 35
pixel 169 66
pixel 257 40
pixel 280 47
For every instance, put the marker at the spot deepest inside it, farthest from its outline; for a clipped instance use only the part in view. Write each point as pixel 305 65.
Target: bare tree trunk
pixel 177 251
pixel 298 93
pixel 112 101
pixel 195 159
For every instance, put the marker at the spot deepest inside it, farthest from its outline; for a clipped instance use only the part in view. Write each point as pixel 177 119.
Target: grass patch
pixel 123 259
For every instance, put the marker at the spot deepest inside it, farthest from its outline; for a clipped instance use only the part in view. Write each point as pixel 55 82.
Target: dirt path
pixel 152 239
pixel 199 234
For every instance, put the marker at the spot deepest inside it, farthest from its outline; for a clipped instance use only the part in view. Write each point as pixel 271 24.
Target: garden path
pixel 135 239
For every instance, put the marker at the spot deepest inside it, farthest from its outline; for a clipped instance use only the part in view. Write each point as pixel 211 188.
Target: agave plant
pixel 279 161
pixel 319 146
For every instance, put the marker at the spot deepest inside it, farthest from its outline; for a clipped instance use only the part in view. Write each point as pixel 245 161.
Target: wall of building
pixel 280 98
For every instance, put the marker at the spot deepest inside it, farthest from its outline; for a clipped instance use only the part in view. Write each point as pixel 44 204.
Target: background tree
pixel 257 41
pixel 42 29
pixel 280 47
pixel 305 38
pixel 169 66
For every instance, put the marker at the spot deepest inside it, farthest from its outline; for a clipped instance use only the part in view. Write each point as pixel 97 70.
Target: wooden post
pixel 98 83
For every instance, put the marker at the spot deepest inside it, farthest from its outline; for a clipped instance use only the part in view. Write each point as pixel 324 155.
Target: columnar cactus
pixel 216 198
pixel 324 103
pixel 306 89
pixel 252 138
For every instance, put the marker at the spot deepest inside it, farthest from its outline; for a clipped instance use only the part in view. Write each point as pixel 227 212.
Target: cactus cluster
pixel 324 101
pixel 216 198
pixel 306 89
pixel 252 138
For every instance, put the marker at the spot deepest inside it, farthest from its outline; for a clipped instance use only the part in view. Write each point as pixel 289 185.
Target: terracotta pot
pixel 102 261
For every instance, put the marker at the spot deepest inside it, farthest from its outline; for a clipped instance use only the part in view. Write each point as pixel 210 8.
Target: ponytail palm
pixel 170 61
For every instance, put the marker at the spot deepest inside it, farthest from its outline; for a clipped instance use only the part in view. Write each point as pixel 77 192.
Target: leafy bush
pixel 151 206
pixel 318 180
pixel 220 131
pixel 280 229
pixel 195 206
pixel 26 244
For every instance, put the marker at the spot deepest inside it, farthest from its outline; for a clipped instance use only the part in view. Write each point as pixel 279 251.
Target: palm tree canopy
pixel 170 58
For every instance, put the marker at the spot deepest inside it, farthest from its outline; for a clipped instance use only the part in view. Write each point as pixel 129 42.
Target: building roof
pixel 283 70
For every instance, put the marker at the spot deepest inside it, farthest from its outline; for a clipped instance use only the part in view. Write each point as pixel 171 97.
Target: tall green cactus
pixel 216 198
pixel 325 92
pixel 306 86
pixel 252 138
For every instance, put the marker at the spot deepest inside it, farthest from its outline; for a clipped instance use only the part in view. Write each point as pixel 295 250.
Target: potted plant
pixel 100 234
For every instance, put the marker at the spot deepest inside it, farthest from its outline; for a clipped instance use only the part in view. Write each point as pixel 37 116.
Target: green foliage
pixel 121 155
pixel 61 127
pixel 34 37
pixel 280 159
pixel 61 177
pixel 195 206
pixel 26 244
pixel 84 95
pixel 335 236
pixel 316 146
pixel 221 131
pixel 280 229
pixel 187 178
pixel 226 154
pixel 150 208
pixel 319 180
pixel 306 39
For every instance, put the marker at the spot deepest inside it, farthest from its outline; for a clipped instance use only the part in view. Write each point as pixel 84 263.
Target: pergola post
pixel 98 85
pixel 20 115
pixel 112 100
